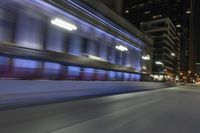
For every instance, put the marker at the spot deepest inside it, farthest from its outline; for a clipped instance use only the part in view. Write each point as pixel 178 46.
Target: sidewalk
pixel 19 93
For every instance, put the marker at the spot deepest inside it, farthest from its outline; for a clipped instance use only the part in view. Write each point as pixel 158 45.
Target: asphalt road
pixel 172 110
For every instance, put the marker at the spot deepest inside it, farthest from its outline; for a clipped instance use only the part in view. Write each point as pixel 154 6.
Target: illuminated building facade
pixel 67 40
pixel 166 58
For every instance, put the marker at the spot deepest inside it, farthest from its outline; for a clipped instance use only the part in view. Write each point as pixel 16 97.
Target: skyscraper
pixel 178 11
pixel 195 36
pixel 166 53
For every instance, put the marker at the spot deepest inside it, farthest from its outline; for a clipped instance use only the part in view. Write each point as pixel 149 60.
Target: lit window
pixel 127 11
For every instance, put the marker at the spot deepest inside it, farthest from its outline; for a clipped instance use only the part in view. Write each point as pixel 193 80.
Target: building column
pixel 103 50
pixel 75 45
pixel 136 60
pixel 128 58
pixel 113 52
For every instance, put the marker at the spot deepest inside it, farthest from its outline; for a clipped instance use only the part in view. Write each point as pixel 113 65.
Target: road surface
pixel 171 110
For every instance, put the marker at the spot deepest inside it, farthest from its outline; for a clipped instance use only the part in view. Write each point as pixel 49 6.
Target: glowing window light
pixel 127 11
pixel 188 12
pixel 146 57
pixel 63 24
pixel 173 54
pixel 138 77
pixel 178 26
pixel 73 70
pixel 111 75
pixel 157 16
pixel 126 76
pixel 24 63
pixel 159 63
pixel 121 48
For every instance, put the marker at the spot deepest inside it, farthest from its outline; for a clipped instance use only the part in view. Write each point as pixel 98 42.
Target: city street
pixel 170 110
pixel 99 66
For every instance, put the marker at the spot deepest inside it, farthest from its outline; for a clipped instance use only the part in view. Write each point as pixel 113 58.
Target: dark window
pixel 84 45
pixel 67 41
pixel 118 57
pixel 124 57
pixel 109 53
pixel 97 48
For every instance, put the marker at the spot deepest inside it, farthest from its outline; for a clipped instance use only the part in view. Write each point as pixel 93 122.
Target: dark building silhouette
pixel 195 36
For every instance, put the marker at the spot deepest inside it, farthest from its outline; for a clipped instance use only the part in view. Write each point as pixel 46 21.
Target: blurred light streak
pixel 106 21
pixel 63 24
pixel 121 48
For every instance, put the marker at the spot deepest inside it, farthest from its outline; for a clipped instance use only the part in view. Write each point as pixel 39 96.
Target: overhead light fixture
pixel 159 63
pixel 178 26
pixel 63 24
pixel 121 48
pixel 146 57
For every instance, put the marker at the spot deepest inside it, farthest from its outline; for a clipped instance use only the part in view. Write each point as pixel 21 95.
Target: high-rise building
pixel 115 5
pixel 166 53
pixel 195 37
pixel 178 11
